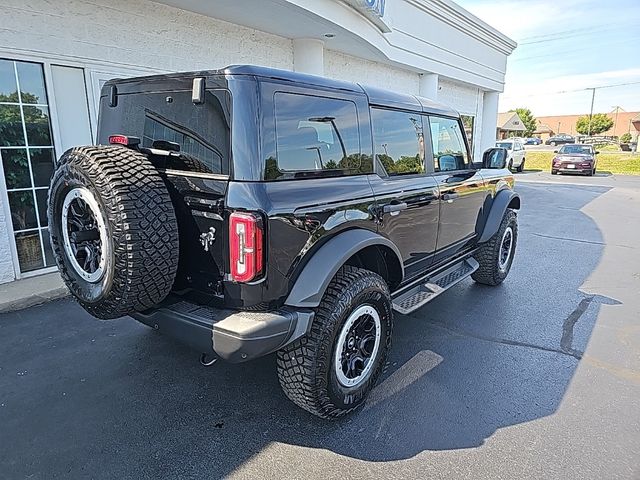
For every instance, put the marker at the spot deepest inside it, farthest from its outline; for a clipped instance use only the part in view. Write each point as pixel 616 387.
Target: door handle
pixel 394 207
pixel 449 197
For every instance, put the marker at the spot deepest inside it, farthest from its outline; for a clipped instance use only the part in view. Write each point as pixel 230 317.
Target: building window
pixel 27 155
pixel 399 141
pixel 316 137
pixel 449 149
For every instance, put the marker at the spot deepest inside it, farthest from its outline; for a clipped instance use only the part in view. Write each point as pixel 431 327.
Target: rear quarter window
pixel 315 137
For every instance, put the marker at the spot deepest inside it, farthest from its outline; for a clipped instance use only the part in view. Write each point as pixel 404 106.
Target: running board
pixel 426 291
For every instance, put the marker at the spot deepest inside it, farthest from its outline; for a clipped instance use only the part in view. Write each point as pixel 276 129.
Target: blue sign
pixel 375 6
pixel 373 10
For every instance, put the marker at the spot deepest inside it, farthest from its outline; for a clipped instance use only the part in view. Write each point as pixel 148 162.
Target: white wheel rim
pixel 70 246
pixel 506 247
pixel 346 339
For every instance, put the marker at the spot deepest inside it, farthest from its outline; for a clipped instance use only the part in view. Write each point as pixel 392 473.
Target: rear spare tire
pixel 113 230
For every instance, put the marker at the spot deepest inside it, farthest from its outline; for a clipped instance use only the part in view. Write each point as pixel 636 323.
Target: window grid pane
pixel 25 124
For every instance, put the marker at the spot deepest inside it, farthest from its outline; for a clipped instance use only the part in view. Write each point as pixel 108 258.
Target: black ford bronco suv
pixel 248 210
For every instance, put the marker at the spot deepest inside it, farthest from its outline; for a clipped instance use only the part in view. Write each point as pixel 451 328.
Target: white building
pixel 54 57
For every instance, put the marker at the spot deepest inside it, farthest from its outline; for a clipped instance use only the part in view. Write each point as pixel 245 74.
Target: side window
pixel 315 136
pixel 449 149
pixel 398 141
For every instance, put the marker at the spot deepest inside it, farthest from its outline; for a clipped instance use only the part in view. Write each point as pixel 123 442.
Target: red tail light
pixel 245 246
pixel 124 140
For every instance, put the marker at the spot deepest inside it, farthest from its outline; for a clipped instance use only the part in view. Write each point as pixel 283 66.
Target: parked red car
pixel 574 158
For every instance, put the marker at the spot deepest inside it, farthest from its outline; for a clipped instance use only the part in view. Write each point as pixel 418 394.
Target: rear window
pixel 315 137
pixel 577 149
pixel 171 121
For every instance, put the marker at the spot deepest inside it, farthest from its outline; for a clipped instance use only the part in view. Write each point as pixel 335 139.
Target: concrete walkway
pixel 31 291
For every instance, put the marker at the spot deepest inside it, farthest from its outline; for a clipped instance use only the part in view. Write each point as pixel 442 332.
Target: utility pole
pixel 593 96
pixel 615 120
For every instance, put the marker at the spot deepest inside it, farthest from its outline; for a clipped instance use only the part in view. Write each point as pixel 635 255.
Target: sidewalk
pixel 31 291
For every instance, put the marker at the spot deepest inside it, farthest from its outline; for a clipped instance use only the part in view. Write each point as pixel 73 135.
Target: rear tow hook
pixel 205 362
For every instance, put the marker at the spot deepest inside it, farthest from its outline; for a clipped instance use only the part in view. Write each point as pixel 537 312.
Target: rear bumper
pixel 574 170
pixel 232 335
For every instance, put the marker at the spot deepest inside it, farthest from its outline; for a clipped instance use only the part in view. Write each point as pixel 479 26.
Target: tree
pixel 625 138
pixel 600 122
pixel 528 120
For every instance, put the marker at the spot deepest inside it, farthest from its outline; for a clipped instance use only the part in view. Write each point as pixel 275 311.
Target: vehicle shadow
pixel 81 397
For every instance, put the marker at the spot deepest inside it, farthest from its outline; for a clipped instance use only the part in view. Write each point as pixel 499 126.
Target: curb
pixel 33 300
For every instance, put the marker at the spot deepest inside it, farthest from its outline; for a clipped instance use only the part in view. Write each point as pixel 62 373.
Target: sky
pixel 567 46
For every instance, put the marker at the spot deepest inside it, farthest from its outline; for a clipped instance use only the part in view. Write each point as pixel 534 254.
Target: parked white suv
pixel 515 148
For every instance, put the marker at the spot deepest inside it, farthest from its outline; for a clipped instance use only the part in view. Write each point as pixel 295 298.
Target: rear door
pixel 406 193
pixel 461 187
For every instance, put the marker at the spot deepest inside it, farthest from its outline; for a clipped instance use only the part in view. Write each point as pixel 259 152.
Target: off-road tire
pixel 489 272
pixel 140 223
pixel 306 368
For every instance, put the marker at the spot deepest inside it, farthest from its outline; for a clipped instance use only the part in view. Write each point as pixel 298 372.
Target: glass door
pixel 27 156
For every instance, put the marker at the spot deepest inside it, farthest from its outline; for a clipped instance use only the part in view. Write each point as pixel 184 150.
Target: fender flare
pixel 312 282
pixel 504 199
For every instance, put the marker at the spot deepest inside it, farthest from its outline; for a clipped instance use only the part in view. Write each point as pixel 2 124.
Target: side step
pixel 414 298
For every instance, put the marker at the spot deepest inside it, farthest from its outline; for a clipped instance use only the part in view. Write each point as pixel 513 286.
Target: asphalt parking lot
pixel 536 378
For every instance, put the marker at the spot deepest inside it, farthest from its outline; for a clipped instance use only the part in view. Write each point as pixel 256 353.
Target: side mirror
pixel 597 152
pixel 495 158
pixel 555 151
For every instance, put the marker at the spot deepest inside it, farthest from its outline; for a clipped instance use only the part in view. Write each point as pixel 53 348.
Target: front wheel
pixel 330 371
pixel 521 166
pixel 496 255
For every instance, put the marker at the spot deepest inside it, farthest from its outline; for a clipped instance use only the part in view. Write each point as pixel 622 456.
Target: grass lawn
pixel 612 162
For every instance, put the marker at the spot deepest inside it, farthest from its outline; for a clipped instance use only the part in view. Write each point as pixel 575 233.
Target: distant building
pixel 622 123
pixel 509 125
pixel 543 131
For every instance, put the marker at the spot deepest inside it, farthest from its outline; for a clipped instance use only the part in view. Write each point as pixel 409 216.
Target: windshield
pixel 507 145
pixel 577 149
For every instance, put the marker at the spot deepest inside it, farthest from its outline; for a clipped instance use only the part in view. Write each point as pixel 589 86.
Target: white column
pixel 308 56
pixel 429 85
pixel 489 120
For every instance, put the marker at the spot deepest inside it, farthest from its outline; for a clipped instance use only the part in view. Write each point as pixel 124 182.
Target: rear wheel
pixel 330 371
pixel 113 230
pixel 496 255
pixel 553 144
pixel 554 172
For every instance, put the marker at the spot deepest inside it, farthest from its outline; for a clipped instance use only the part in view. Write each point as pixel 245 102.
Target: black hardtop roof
pixel 377 96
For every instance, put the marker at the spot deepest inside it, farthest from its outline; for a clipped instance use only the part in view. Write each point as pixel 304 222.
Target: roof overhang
pixel 435 36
